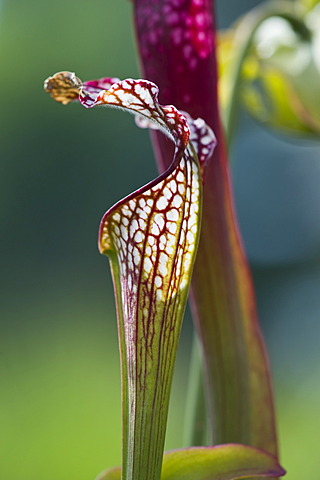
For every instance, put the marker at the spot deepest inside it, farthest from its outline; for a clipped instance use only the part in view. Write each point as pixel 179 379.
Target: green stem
pixel 195 428
pixel 244 38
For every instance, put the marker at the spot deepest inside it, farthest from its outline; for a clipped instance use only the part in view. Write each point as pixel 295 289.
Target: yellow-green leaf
pixel 222 462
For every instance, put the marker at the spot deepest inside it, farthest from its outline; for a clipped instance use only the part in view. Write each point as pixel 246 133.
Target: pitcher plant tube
pixel 151 239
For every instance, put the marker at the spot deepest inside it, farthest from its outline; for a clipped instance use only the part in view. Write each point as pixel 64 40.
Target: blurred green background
pixel 60 169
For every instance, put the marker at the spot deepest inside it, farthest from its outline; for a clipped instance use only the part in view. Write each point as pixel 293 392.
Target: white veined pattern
pixel 151 238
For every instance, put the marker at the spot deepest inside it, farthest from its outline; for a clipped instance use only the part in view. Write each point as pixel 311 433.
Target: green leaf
pixel 308 4
pixel 272 99
pixel 110 474
pixel 278 69
pixel 286 85
pixel 223 462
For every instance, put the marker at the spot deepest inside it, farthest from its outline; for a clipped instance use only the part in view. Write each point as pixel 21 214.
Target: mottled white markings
pixel 172 227
pixel 155 229
pixel 173 214
pixel 162 203
pixel 136 257
pixel 163 239
pixel 159 295
pixel 158 226
pixel 138 236
pixel 124 232
pixel 190 237
pixel 163 269
pixel 147 265
pixel 163 258
pixel 177 201
pixel 133 227
pixel 142 224
pixel 158 218
pixel 172 185
pixel 181 188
